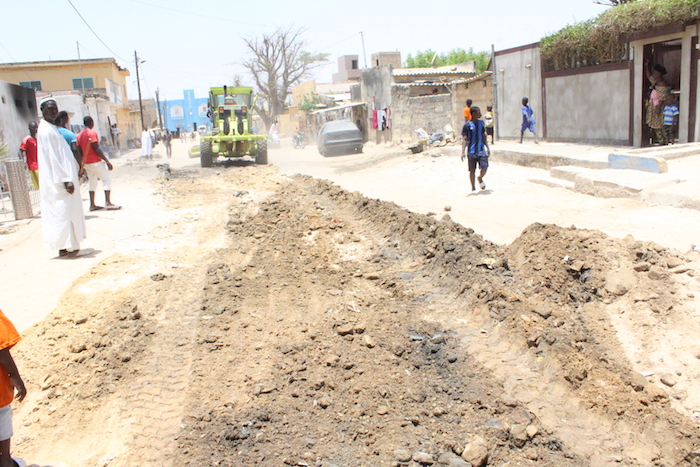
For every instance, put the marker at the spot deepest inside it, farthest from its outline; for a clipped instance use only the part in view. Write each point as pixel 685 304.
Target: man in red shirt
pixel 97 165
pixel 28 151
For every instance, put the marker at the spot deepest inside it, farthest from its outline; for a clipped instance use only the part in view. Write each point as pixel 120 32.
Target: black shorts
pixel 489 131
pixel 481 159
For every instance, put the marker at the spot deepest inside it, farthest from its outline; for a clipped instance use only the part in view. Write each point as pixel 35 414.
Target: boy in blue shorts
pixel 475 148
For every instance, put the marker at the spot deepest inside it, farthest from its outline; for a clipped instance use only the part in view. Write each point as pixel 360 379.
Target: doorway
pixel 668 55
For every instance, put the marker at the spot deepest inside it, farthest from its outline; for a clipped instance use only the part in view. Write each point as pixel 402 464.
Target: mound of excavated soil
pixel 289 322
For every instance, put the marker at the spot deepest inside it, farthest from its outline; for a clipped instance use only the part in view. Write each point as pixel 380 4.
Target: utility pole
pixel 82 80
pixel 138 85
pixel 495 79
pixel 160 115
pixel 363 48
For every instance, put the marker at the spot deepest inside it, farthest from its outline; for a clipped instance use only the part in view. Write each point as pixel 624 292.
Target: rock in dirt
pixel 656 274
pixel 668 379
pixel 476 452
pixel 518 435
pixel 423 458
pixel 638 381
pixel 674 262
pixel 77 347
pixel 620 282
pixel 531 431
pixel 458 462
pixel 679 269
pixel 368 341
pixel 324 402
pixel 655 393
pixel 402 455
pixel 642 267
pixel 448 208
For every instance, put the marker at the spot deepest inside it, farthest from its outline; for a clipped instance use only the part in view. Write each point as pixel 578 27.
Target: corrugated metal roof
pixel 446 83
pixel 475 78
pixel 428 71
pixel 423 83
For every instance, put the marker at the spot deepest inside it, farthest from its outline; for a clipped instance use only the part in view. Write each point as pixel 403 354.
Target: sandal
pixel 64 254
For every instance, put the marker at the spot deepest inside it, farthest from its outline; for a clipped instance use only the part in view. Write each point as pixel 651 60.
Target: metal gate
pixel 15 179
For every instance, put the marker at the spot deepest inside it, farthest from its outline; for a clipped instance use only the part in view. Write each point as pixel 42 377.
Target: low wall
pixel 590 107
pixel 431 113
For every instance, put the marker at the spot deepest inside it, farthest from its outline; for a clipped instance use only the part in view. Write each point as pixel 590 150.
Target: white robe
pixel 61 212
pixel 146 143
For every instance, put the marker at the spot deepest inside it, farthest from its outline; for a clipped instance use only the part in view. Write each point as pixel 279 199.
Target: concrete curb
pixel 645 164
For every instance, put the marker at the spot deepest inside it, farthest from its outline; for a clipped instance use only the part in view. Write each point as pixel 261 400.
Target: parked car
pixel 339 137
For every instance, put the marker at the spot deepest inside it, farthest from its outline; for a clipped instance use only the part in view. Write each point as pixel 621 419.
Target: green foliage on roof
pixel 428 58
pixel 596 41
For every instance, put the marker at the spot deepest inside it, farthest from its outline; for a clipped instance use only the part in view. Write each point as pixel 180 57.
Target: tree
pixel 277 62
pixel 309 102
pixel 612 2
pixel 429 58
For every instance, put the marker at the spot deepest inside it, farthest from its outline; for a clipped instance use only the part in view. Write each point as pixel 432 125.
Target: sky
pixel 197 44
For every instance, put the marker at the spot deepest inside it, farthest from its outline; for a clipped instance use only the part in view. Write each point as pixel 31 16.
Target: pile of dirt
pixel 328 329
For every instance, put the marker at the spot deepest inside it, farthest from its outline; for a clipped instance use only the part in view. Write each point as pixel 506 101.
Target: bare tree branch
pixel 277 62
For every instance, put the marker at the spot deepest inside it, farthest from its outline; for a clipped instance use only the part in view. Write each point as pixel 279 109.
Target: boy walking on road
pixel 476 148
pixel 528 120
pixel 10 381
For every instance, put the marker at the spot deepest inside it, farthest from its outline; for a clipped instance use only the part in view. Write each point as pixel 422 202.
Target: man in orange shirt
pixel 97 165
pixel 9 381
pixel 468 111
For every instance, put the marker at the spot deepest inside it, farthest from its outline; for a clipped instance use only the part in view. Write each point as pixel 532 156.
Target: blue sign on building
pixel 186 114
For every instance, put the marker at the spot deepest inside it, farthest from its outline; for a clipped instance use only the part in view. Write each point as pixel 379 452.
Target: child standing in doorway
pixel 475 148
pixel 670 119
pixel 528 120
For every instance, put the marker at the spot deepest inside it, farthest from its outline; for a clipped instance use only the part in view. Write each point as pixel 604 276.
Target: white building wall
pixel 517 75
pixel 589 108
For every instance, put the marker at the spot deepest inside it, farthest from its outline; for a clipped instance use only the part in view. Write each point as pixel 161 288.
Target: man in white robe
pixel 63 222
pixel 147 143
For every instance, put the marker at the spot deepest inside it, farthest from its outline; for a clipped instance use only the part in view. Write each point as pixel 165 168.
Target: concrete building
pixel 17 109
pixel 600 104
pixel 412 98
pixel 348 69
pixel 186 114
pixel 386 58
pixel 95 87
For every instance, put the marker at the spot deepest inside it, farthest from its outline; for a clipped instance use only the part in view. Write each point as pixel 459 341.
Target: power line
pixel 93 31
pixel 15 61
pixel 200 15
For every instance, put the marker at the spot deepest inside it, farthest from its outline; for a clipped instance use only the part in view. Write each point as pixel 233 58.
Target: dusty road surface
pixel 276 320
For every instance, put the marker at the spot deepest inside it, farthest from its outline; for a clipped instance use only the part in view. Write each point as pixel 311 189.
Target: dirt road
pixel 274 320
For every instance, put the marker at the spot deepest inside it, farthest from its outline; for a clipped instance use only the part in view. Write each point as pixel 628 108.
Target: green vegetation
pixel 596 41
pixel 429 58
pixel 309 103
pixel 3 151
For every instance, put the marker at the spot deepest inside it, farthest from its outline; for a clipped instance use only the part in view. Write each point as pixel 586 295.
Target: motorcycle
pixel 274 140
pixel 298 141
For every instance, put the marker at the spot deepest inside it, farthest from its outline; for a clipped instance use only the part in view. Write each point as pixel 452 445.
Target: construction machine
pixel 231 114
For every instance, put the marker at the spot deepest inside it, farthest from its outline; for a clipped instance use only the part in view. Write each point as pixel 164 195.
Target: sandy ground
pixel 239 316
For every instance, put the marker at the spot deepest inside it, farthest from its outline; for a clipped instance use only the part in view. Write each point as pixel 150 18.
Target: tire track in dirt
pixel 333 330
